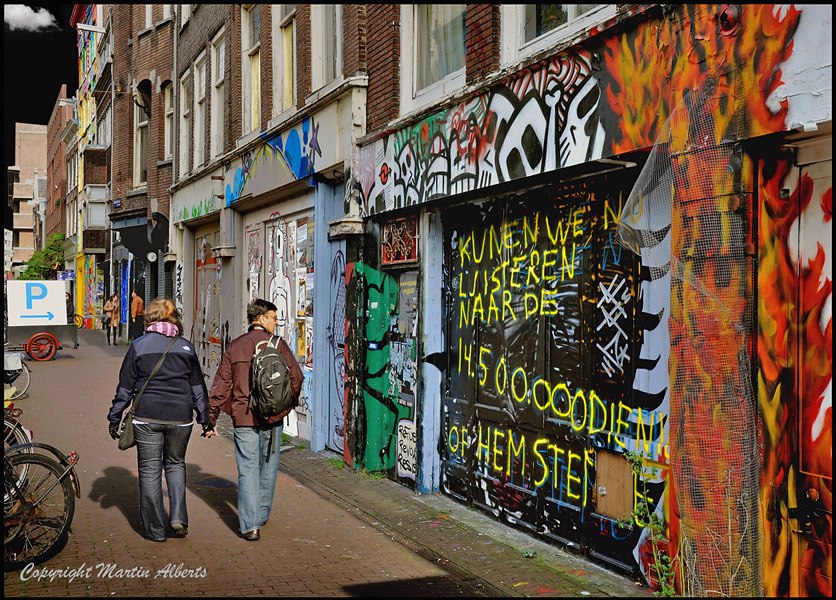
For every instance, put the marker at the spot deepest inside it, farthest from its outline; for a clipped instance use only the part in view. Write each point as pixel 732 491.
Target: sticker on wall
pixel 301 293
pixel 407 464
pixel 301 242
pixel 301 338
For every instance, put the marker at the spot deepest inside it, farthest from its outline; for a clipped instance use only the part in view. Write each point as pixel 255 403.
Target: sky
pixel 39 54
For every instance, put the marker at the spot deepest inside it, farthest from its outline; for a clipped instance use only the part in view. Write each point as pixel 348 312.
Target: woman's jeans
pixel 257 471
pixel 161 447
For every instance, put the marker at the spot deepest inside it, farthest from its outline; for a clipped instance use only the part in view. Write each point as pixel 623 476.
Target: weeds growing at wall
pixel 644 514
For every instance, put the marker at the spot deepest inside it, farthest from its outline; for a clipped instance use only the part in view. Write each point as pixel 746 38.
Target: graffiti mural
pixel 795 376
pixel 279 290
pixel 336 340
pixel 541 121
pixel 544 319
pixel 287 156
pixel 254 251
pixel 207 334
pixel 382 410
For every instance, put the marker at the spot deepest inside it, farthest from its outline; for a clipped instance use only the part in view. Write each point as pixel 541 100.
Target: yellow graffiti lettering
pixel 482 364
pixel 570 478
pixel 542 462
pixel 532 271
pixel 519 399
pixel 486 445
pixel 533 232
pixel 544 301
pixel 594 401
pixel 550 263
pixel 577 223
pixel 501 363
pixel 515 270
pixel 561 232
pixel 450 439
pixel 477 307
pixel 496 449
pixel 543 382
pixel 515 451
pixel 619 423
pixel 493 310
pixel 567 265
pixel 531 311
pixel 506 303
pixel 464 252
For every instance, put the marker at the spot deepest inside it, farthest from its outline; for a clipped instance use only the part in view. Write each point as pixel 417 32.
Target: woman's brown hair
pixel 163 309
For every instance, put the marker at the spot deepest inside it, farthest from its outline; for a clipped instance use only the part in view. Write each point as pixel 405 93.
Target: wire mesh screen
pixel 687 217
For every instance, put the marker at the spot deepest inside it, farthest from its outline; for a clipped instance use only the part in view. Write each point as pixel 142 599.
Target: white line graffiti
pixel 615 353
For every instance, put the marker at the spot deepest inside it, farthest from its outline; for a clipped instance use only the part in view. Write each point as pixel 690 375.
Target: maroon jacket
pixel 231 388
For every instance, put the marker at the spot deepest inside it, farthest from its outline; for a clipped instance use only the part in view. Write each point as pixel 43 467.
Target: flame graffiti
pixel 745 58
pixel 795 353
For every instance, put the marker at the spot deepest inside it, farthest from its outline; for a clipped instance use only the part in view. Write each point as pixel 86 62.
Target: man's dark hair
pixel 259 307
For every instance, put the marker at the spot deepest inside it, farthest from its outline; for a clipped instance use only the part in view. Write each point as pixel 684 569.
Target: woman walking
pixel 112 314
pixel 163 416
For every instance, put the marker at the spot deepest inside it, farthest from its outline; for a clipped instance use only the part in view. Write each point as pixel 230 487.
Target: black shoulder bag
pixel 126 437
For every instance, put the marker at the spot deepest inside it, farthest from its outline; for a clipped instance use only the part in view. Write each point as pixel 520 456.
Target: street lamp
pixel 93 28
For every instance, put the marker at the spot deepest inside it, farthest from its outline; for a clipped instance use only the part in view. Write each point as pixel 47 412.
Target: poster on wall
pixel 300 339
pixel 178 285
pixel 301 243
pixel 301 293
pixel 309 343
pixel 309 283
pixel 310 255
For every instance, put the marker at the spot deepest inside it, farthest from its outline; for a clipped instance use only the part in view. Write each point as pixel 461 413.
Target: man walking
pixel 256 457
pixel 137 312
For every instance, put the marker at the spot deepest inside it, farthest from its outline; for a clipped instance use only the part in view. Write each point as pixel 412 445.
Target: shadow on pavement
pixel 424 587
pixel 120 488
pixel 218 493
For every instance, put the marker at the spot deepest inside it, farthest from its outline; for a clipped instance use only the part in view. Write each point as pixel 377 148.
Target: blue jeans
pixel 257 471
pixel 158 447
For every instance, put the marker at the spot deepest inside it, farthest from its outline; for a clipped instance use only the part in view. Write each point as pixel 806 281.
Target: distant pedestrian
pixel 163 417
pixel 70 309
pixel 137 311
pixel 258 463
pixel 112 314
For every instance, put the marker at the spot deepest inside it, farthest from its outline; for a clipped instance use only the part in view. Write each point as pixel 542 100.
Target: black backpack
pixel 270 392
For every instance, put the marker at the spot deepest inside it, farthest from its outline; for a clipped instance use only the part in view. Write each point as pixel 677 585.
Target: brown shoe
pixel 251 536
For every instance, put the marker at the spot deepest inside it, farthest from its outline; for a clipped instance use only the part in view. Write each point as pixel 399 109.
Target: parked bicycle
pixel 14 433
pixel 39 502
pixel 16 375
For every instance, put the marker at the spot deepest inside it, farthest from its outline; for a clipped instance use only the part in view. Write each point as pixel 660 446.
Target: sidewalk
pixel 463 541
pixel 333 532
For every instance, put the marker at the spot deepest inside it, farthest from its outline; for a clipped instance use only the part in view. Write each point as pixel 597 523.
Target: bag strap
pixel 153 372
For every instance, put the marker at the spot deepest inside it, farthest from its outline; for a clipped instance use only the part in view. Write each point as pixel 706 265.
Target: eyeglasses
pixel 270 317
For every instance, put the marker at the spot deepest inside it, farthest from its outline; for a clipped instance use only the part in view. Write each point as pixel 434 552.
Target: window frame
pixel 149 16
pixel 284 68
pixel 412 98
pixel 515 49
pixel 199 98
pixel 184 12
pixel 218 78
pixel 168 120
pixel 318 55
pixel 166 11
pixel 141 126
pixel 250 105
pixel 185 124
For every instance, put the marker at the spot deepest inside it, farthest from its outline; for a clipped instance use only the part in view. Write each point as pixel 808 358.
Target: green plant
pixel 301 446
pixel 46 262
pixel 337 463
pixel 375 475
pixel 645 516
pixel 285 438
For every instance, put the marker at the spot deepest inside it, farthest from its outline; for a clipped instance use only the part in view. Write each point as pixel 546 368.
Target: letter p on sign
pixel 34 291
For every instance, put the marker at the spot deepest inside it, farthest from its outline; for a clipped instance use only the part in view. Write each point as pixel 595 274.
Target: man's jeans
pixel 158 447
pixel 257 471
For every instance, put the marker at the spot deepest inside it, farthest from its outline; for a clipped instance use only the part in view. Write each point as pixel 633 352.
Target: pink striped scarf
pixel 164 327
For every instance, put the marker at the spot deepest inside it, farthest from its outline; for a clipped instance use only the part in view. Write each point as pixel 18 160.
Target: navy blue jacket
pixel 176 390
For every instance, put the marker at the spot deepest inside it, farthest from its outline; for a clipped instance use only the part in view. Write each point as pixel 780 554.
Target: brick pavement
pixel 332 532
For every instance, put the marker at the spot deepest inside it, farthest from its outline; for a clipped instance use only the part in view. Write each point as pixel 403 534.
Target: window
pixel 149 16
pixel 542 18
pixel 141 120
pixel 200 110
pixel 185 118
pixel 432 53
pixel 185 13
pixel 166 11
pixel 216 126
pixel 104 128
pixel 326 39
pixel 284 57
pixel 251 68
pixel 530 28
pixel 440 39
pixel 168 124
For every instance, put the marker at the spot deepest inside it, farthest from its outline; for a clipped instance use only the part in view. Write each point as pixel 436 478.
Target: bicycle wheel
pixel 14 433
pixel 42 346
pixel 37 515
pixel 20 383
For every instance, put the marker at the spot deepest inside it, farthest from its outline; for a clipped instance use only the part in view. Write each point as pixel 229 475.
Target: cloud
pixel 25 18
